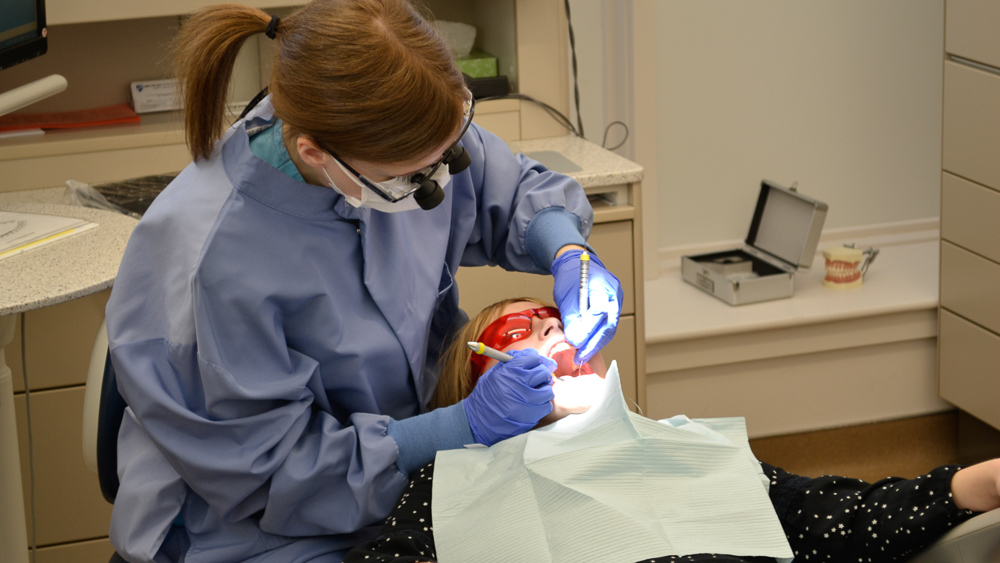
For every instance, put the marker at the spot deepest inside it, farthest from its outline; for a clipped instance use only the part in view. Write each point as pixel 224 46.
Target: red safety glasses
pixel 507 330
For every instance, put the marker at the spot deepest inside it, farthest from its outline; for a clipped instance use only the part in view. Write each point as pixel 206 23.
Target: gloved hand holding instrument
pixel 511 397
pixel 591 328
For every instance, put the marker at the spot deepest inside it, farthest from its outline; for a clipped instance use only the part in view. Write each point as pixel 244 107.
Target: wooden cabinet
pixel 971 30
pixel 68 506
pixel 968 362
pixel 971 126
pixel 969 329
pixel 92 551
pixel 68 502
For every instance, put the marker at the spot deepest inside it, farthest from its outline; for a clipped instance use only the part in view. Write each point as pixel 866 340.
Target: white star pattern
pixel 406 537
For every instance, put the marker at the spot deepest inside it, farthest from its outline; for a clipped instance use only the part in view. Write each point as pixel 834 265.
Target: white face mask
pixel 372 200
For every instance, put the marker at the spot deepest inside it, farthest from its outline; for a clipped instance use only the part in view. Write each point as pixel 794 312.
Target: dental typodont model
pixel 846 265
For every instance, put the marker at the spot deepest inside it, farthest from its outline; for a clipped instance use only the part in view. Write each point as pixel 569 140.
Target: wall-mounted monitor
pixel 22 31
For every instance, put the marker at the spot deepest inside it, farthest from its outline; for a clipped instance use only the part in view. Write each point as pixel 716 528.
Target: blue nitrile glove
pixel 510 398
pixel 590 331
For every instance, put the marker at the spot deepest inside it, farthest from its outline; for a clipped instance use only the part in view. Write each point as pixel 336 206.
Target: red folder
pixel 109 115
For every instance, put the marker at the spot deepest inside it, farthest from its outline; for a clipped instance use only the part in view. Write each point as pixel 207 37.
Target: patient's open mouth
pixel 564 354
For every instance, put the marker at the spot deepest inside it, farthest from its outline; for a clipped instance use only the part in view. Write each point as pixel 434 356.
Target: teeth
pixel 559 347
pixel 842 272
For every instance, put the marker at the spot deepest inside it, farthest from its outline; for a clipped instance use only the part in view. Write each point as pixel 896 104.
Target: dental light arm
pixel 32 92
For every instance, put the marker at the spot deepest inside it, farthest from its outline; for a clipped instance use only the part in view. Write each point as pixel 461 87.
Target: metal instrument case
pixel 783 237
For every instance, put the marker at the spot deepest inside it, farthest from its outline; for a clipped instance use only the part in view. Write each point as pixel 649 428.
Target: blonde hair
pixel 456 383
pixel 370 79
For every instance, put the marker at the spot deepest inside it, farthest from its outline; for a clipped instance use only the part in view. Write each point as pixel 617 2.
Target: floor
pixel 904 448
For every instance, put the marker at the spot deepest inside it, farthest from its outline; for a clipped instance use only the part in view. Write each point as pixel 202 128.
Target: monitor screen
pixel 22 31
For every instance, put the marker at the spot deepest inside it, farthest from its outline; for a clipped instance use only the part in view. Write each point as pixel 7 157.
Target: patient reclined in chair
pixel 825 519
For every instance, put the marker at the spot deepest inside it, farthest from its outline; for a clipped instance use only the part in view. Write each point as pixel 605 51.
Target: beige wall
pixel 101 59
pixel 843 96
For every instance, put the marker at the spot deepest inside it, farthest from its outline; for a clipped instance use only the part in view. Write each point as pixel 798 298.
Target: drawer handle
pixel 974 64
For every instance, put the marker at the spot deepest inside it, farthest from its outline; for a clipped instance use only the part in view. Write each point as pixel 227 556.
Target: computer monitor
pixel 23 36
pixel 22 31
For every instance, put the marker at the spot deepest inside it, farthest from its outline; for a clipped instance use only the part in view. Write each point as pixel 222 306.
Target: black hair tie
pixel 272 27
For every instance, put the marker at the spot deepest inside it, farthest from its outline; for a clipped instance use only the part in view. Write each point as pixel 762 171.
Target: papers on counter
pixel 23 231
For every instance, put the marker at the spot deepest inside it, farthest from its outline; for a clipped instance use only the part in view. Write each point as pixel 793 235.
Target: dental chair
pixel 974 541
pixel 103 409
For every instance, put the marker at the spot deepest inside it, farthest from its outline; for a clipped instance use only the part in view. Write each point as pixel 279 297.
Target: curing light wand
pixel 480 348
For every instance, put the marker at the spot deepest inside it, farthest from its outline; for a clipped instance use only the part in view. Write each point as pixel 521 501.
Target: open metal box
pixel 783 237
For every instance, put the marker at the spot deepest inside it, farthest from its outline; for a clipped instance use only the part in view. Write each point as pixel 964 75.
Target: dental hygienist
pixel 277 321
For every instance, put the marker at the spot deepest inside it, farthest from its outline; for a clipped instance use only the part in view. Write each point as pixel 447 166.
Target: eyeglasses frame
pixel 416 177
pixel 479 361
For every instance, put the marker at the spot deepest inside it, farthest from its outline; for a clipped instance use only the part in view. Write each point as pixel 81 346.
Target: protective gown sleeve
pixel 510 191
pixel 237 415
pixel 420 437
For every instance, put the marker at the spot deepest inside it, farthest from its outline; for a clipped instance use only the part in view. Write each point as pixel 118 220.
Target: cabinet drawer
pixel 968 376
pixel 622 349
pixel 93 551
pixel 46 171
pixel 68 501
pixel 969 214
pixel 969 286
pixel 481 287
pixel 971 30
pixel 971 130
pixel 59 341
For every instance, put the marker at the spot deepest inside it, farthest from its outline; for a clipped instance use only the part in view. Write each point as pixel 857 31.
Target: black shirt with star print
pixel 825 519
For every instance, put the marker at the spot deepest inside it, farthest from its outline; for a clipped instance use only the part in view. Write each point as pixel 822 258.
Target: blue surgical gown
pixel 264 332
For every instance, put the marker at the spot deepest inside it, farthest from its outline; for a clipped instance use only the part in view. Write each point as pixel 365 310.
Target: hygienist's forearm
pixel 420 437
pixel 977 487
pixel 551 232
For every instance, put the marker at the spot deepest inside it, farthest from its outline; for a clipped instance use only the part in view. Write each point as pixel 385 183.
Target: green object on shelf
pixel 478 64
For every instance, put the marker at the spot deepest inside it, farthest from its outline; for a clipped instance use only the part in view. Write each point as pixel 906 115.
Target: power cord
pixel 562 119
pixel 576 85
pixel 604 143
pixel 553 112
pixel 556 114
pixel 31 441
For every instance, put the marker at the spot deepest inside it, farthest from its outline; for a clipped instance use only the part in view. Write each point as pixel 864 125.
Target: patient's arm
pixel 977 487
pixel 843 519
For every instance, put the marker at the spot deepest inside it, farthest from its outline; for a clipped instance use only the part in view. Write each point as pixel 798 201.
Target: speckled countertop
pixel 64 270
pixel 88 262
pixel 599 167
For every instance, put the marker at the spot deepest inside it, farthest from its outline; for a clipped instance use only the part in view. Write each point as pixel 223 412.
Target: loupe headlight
pixel 457 159
pixel 430 194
